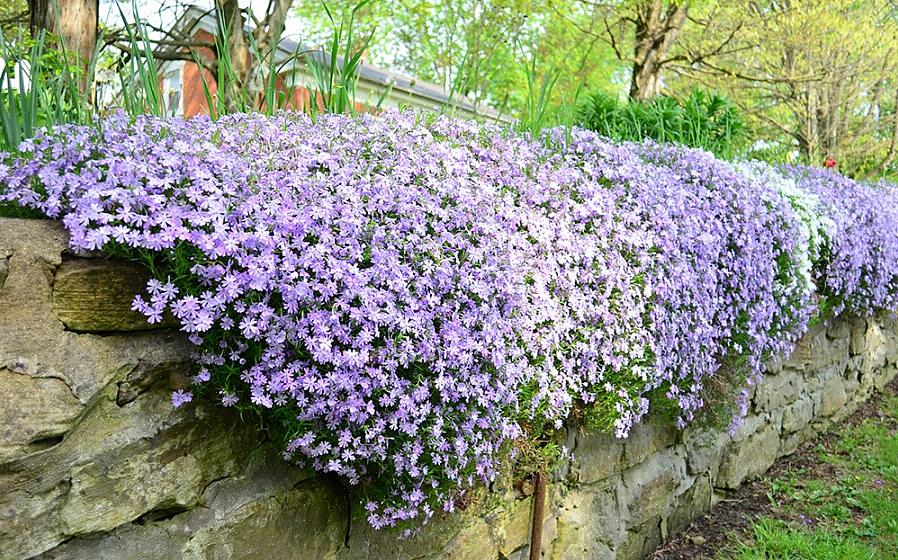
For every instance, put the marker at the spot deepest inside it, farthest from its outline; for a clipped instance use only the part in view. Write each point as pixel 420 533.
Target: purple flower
pixel 180 398
pixel 404 294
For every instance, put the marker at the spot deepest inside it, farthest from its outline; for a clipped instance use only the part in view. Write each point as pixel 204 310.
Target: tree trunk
pixel 656 32
pixel 39 16
pixel 74 22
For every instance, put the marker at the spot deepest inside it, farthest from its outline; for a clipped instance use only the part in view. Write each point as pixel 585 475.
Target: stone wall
pixel 94 462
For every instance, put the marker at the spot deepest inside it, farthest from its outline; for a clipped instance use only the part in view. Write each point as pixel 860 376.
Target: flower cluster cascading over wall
pixel 402 296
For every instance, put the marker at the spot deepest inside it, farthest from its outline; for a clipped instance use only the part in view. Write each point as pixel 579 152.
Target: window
pixel 171 91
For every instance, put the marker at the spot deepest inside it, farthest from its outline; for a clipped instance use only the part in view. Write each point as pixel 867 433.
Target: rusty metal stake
pixel 539 504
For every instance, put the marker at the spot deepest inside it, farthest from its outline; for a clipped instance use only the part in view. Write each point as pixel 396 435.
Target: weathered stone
pixel 146 375
pixel 596 457
pixel 117 465
pixel 837 328
pixel 641 541
pixel 646 439
pixel 816 351
pixel 271 513
pixel 790 443
pixel 92 295
pixel 854 367
pixel 748 426
pixel 446 539
pixel 703 447
pixel 798 415
pixel 777 390
pixel 858 336
pixel 749 459
pixel 648 487
pixel 4 269
pixel 267 527
pixel 774 364
pixel 511 529
pixel 833 397
pixel 688 506
pixel 884 376
pixel 589 524
pixel 44 410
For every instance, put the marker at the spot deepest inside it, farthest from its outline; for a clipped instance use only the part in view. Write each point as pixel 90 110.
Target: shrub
pixel 706 121
pixel 403 297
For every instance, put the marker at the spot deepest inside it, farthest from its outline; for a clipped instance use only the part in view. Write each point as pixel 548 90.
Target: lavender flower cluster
pixel 404 296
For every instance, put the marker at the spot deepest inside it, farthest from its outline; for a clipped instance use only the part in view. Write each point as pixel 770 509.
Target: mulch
pixel 714 531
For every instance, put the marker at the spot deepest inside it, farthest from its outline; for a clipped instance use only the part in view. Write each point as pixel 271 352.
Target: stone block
pixel 858 336
pixel 94 295
pixel 703 448
pixel 833 396
pixel 268 515
pixel 641 541
pixel 597 456
pixel 688 506
pixel 798 415
pixel 790 443
pixel 776 391
pixel 42 411
pixel 589 523
pixel 646 439
pixel 884 376
pixel 115 466
pixel 4 270
pixel 838 328
pixel 648 487
pixel 749 458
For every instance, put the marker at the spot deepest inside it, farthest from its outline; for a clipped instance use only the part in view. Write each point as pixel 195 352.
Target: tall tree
pixel 75 22
pixel 646 36
pixel 656 27
pixel 641 33
pixel 819 76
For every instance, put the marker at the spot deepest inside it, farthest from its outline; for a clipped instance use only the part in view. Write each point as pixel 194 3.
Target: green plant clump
pixel 702 120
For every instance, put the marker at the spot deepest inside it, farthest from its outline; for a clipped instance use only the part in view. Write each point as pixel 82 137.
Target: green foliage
pixel 539 90
pixel 13 16
pixel 471 47
pixel 18 99
pixel 138 73
pixel 702 120
pixel 774 539
pixel 38 87
pixel 336 71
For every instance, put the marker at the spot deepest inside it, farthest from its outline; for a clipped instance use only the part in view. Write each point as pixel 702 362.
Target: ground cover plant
pixel 405 296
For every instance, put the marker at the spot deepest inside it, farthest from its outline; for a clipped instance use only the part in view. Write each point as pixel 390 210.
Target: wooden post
pixel 539 505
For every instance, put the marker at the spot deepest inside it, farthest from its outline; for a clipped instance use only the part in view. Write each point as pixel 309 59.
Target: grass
pixel 844 507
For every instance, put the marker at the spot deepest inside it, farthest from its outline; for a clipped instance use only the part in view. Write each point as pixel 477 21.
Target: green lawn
pixel 844 508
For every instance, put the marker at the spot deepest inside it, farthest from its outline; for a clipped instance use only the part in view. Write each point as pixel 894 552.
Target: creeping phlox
pixel 402 296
